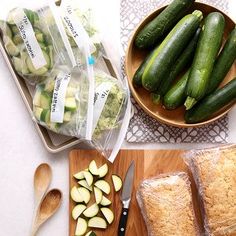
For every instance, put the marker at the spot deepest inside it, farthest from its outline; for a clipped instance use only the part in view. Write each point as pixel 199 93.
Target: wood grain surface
pixel 148 163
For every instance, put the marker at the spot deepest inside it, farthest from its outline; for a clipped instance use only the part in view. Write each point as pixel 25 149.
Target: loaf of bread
pixel 215 175
pixel 166 205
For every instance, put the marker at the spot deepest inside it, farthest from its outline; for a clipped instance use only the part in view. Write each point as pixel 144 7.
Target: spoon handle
pixel 34 230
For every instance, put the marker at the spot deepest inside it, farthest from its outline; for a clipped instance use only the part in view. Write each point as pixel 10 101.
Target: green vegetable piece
pixel 207 49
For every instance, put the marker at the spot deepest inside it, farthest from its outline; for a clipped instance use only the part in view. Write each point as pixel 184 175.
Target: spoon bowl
pixel 42 180
pixel 47 208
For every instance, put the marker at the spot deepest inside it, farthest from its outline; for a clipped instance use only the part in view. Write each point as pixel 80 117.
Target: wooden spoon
pixel 48 206
pixel 42 180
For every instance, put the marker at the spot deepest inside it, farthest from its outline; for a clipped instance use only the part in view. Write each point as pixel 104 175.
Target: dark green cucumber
pixel 183 61
pixel 169 50
pixel 223 62
pixel 207 49
pixel 212 103
pixel 176 96
pixel 162 24
pixel 137 79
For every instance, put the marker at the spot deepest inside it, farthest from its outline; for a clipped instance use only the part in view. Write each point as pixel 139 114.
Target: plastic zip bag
pixel 214 172
pixel 112 110
pixel 84 15
pixel 58 103
pixel 83 57
pixel 166 205
pixel 36 42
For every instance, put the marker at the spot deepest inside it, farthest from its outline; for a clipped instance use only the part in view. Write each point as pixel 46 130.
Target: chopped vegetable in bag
pixel 35 42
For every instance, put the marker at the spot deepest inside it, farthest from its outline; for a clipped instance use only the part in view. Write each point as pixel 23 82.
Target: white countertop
pixel 21 150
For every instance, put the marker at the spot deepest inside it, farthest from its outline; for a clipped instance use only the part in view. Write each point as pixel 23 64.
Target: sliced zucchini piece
pixel 17 63
pixel 78 210
pixel 105 201
pixel 75 195
pixel 103 170
pixel 40 71
pixel 45 116
pixel 89 178
pixel 15 29
pixel 81 227
pixel 70 104
pixel 37 112
pixel 45 100
pixel 91 211
pixel 90 233
pixel 85 194
pixel 40 37
pixel 17 39
pixel 67 116
pixel 25 70
pixel 98 195
pixel 5 29
pixel 79 175
pixel 32 15
pixel 47 58
pixel 117 182
pixel 93 168
pixel 37 98
pixel 97 222
pixel 43 46
pixel 103 185
pixel 49 86
pixel 84 183
pixel 11 48
pixel 108 214
pixel 50 53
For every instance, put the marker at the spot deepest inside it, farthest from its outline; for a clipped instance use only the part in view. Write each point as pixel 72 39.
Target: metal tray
pixel 53 142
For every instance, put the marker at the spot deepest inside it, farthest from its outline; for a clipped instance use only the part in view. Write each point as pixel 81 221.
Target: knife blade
pixel 126 198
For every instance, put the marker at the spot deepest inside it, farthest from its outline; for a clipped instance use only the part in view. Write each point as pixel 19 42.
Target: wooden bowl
pixel 135 56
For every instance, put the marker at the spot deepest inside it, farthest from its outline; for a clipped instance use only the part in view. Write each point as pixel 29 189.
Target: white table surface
pixel 21 150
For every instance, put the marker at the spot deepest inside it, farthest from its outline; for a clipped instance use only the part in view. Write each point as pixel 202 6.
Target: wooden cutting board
pixel 148 163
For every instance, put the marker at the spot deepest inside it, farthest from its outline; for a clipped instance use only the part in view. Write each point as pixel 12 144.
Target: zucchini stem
pixel 155 98
pixel 198 14
pixel 190 102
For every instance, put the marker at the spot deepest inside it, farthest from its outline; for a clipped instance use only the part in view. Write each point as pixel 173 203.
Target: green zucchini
pixel 212 103
pixel 184 60
pixel 169 50
pixel 17 63
pixel 137 79
pixel 11 48
pixel 162 24
pixel 17 39
pixel 42 70
pixel 207 49
pixel 223 62
pixel 175 97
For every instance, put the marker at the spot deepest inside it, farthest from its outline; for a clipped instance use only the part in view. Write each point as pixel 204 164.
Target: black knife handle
pixel 123 222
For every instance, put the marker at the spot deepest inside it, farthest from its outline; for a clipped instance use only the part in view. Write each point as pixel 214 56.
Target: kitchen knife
pixel 125 198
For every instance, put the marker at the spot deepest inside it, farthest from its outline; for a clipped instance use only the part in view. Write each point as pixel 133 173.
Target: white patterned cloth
pixel 144 128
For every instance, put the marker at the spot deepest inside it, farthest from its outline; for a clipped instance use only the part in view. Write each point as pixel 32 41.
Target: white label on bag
pixel 100 98
pixel 59 95
pixel 28 36
pixel 76 29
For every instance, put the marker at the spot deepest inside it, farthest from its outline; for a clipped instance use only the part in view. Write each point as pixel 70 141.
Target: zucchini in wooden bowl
pixel 174 64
